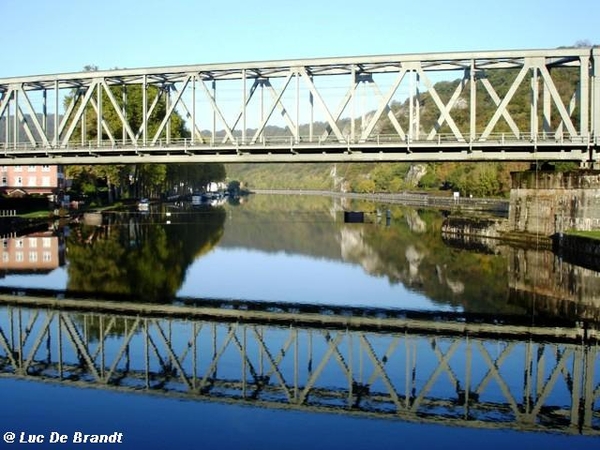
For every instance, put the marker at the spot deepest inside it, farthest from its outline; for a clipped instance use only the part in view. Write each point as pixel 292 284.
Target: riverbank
pixel 496 206
pixel 578 248
pixel 17 226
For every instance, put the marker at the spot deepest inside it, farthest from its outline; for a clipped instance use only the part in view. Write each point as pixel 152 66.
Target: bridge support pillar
pixel 595 94
pixel 545 203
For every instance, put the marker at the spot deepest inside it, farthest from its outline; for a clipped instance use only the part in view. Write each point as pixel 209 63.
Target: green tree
pixel 141 180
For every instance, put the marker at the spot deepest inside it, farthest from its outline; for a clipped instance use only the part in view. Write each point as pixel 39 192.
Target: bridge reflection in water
pixel 380 364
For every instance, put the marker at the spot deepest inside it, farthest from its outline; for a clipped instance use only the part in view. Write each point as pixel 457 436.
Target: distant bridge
pixel 424 369
pixel 367 108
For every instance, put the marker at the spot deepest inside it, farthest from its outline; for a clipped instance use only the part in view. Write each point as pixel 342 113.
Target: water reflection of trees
pixel 136 256
pixel 411 251
pixel 478 277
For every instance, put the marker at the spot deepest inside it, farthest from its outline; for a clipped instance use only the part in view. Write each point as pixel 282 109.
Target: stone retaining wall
pixel 546 203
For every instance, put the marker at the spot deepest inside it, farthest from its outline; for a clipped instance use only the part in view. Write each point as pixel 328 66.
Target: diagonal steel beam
pixel 500 110
pixel 317 95
pixel 146 114
pixel 216 358
pixel 38 341
pixel 25 126
pixel 84 103
pixel 102 121
pixel 8 349
pixel 342 106
pixel 551 382
pixel 60 127
pixel 34 119
pixel 384 105
pixel 566 119
pixel 274 365
pixel 493 370
pixel 434 376
pixel 505 114
pixel 390 113
pixel 333 343
pixel 170 110
pixel 5 100
pixel 440 356
pixel 117 109
pixel 217 111
pixel 444 109
pixel 78 344
pixel 195 130
pixel 382 373
pixel 195 333
pixel 245 104
pixel 172 356
pixel 245 358
pixel 276 102
pixel 126 341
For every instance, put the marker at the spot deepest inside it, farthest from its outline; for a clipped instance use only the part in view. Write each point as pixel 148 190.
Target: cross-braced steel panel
pixel 421 107
pixel 469 379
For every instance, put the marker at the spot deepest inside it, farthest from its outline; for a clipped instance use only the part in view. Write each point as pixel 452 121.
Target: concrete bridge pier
pixel 545 202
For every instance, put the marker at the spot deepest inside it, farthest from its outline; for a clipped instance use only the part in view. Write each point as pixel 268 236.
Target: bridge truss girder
pixel 461 379
pixel 229 109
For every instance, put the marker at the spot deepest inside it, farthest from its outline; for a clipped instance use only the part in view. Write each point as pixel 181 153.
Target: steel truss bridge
pixel 377 364
pixel 368 108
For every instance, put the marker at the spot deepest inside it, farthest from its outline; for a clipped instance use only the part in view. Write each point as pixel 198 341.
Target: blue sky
pixel 41 36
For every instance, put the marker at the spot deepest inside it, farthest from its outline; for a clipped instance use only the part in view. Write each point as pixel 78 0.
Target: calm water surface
pixel 190 379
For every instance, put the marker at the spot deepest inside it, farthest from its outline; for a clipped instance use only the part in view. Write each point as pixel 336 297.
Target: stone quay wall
pixel 546 203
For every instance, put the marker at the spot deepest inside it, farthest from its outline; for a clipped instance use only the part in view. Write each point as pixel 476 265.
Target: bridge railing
pixel 441 140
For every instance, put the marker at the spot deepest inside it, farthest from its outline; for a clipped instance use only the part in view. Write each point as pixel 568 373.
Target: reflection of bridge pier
pixel 451 372
pixel 544 283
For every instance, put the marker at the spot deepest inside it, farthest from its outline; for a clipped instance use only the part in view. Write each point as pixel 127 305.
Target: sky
pixel 47 37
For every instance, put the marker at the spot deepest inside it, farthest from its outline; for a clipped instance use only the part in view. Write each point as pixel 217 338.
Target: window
pixel 31 181
pixel 31 168
pixel 46 168
pixel 19 181
pixel 4 181
pixel 46 242
pixel 33 256
pixel 5 256
pixel 33 242
pixel 47 256
pixel 18 169
pixel 45 181
pixel 19 243
pixel 19 256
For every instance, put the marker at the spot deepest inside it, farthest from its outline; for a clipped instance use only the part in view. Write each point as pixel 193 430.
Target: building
pixel 36 252
pixel 29 180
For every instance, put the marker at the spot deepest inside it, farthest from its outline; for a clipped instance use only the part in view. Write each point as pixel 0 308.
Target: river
pixel 273 322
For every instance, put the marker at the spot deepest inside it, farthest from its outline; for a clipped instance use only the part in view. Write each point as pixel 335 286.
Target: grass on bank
pixel 42 214
pixel 46 213
pixel 586 234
